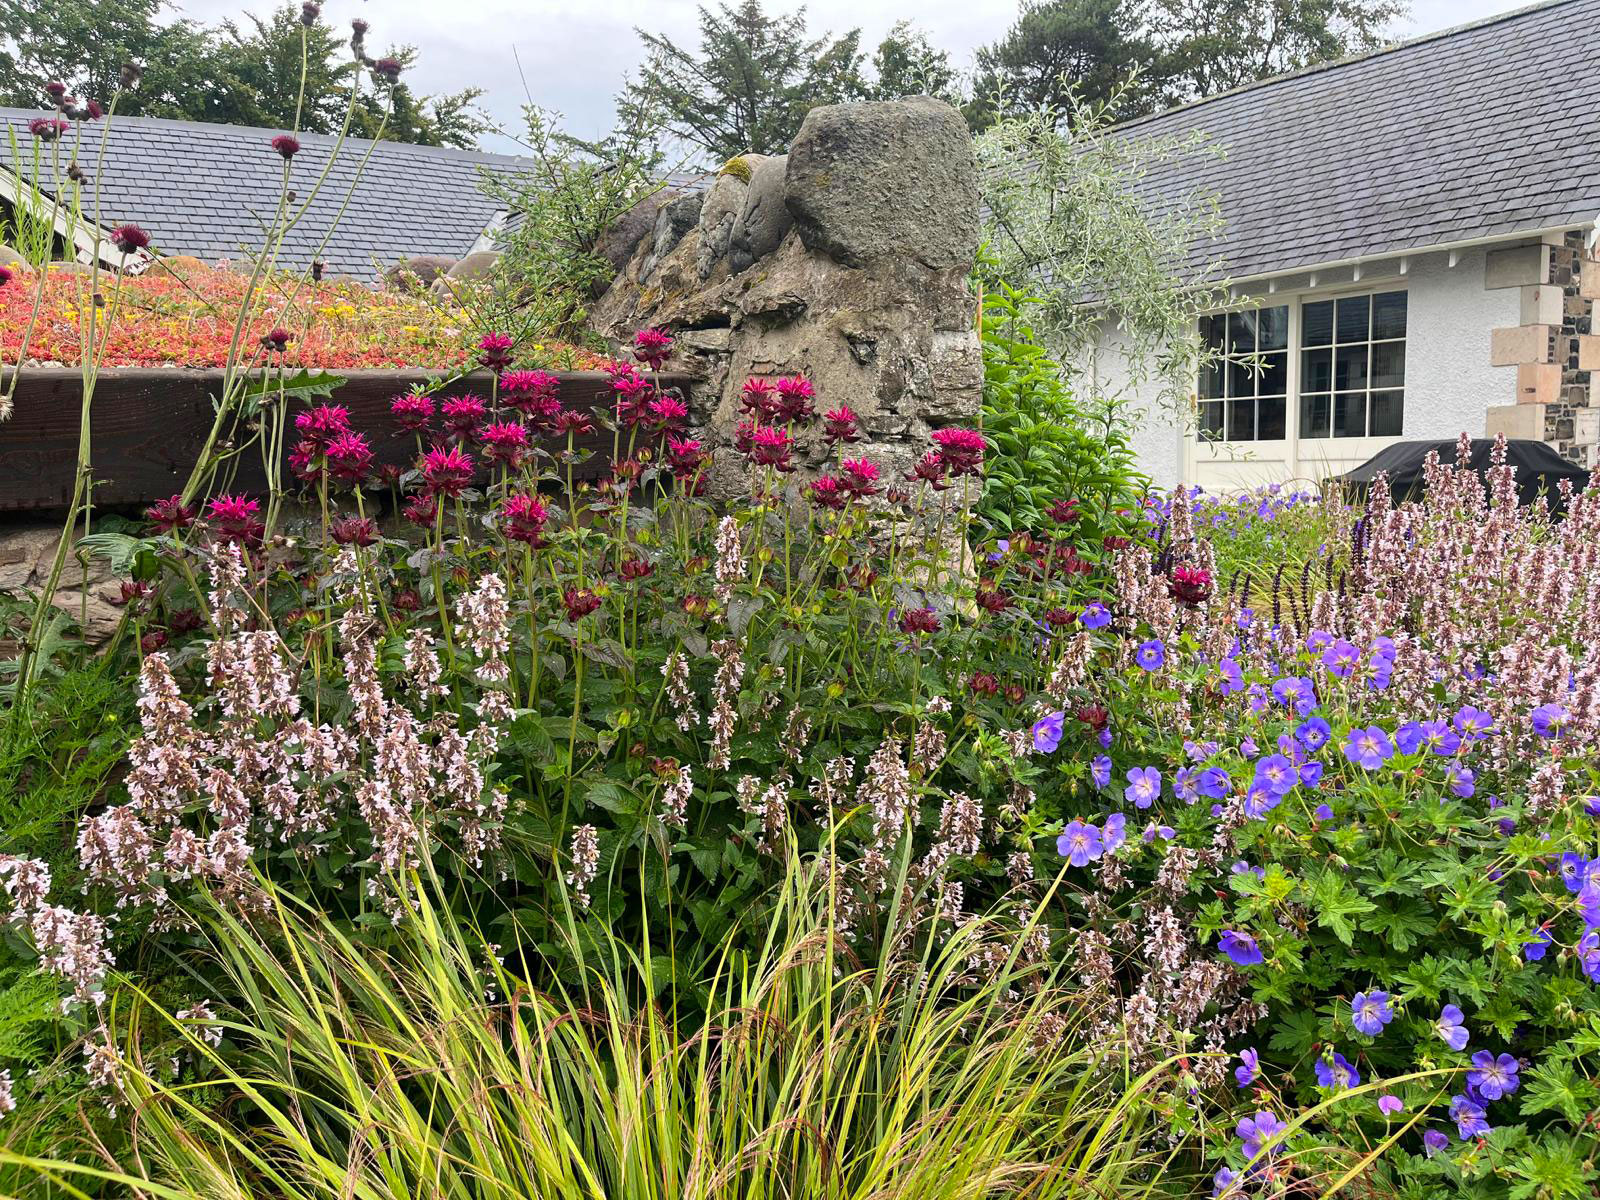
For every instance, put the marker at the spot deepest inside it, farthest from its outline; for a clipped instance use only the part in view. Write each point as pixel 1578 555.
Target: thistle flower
pixel 522 519
pixel 47 129
pixel 494 349
pixel 652 347
pixel 447 472
pixel 56 90
pixel 286 146
pixel 276 341
pixel 388 69
pixel 129 239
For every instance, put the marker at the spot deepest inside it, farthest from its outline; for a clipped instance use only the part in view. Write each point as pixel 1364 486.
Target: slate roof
pixel 209 190
pixel 1485 130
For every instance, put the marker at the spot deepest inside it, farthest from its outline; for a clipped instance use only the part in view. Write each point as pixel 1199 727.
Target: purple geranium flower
pixel 1535 950
pixel 1472 723
pixel 1548 720
pixel 1450 1029
pixel 1151 655
pixel 1369 748
pixel 1311 774
pixel 1240 948
pixel 1250 1070
pixel 1214 783
pixel 1493 1076
pixel 1116 832
pixel 1575 870
pixel 1223 1184
pixel 1296 693
pixel 1468 1118
pixel 1184 784
pixel 1144 786
pixel 1313 734
pixel 1047 732
pixel 1323 813
pixel 1370 1012
pixel 1389 1105
pixel 1232 677
pixel 1259 801
pixel 1080 844
pixel 1258 1132
pixel 1434 1141
pixel 1095 616
pixel 1463 781
pixel 1100 771
pixel 1277 774
pixel 1337 1074
pixel 1409 737
pixel 1341 658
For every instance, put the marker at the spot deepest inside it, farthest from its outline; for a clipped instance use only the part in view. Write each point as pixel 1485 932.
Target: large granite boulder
pixel 868 183
pixel 674 220
pixel 723 204
pixel 417 273
pixel 763 218
pixel 479 264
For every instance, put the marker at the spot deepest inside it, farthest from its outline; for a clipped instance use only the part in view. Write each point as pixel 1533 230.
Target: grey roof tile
pixel 1474 132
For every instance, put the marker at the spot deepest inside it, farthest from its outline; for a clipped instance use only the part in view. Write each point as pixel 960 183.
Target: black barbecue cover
pixel 1539 468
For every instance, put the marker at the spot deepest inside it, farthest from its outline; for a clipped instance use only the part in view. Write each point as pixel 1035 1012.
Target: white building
pixel 1404 237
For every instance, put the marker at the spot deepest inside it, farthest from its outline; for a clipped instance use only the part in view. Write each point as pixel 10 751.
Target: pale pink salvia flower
pixel 8 1100
pixel 676 672
pixel 26 881
pixel 585 862
pixel 72 945
pixel 885 792
pixel 199 1013
pixel 730 567
pixel 725 694
pixel 104 1067
pixel 485 619
pixel 423 670
pixel 675 800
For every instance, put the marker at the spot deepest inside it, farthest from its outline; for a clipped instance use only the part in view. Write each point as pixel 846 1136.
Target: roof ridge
pixel 307 137
pixel 1348 60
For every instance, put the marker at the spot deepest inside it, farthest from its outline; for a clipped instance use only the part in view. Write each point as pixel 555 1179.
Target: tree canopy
pixel 243 73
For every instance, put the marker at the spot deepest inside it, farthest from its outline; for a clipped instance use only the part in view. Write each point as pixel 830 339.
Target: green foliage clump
pixel 1046 448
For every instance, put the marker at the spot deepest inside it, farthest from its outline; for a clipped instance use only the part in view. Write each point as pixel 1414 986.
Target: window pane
pixel 1350 414
pixel 1274 328
pixel 1353 315
pixel 1350 368
pixel 1211 421
pixel 1241 378
pixel 1212 329
pixel 1316 323
pixel 1387 413
pixel 1314 411
pixel 1274 379
pixel 1242 332
pixel 1210 380
pixel 1388 364
pixel 1241 420
pixel 1269 418
pixel 1389 315
pixel 1316 371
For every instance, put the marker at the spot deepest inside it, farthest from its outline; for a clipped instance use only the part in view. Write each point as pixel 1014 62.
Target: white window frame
pixel 1222 465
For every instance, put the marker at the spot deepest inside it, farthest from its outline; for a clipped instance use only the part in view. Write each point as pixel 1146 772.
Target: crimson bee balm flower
pixel 580 603
pixel 354 531
pixel 130 239
pixel 841 425
pixel 961 449
pixel 919 620
pixel 412 413
pixel 1190 585
pixel 494 351
pixel 170 514
pixel 522 519
pixel 349 457
pixel 652 347
pixel 235 518
pixel 447 472
pixel 505 442
pixel 286 146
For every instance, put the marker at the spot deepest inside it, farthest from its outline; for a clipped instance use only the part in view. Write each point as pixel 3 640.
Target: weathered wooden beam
pixel 148 426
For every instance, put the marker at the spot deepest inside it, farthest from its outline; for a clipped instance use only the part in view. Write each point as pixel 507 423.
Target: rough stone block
pixel 1517 266
pixel 1589 280
pixel 1538 383
pixel 1588 352
pixel 1586 426
pixel 1520 344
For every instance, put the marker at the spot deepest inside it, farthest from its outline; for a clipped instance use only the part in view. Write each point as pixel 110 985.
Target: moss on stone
pixel 737 166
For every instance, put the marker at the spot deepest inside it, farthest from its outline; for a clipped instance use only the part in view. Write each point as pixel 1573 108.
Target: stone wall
pixel 846 260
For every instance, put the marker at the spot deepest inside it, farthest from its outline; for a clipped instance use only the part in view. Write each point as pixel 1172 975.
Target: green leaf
pixel 1335 903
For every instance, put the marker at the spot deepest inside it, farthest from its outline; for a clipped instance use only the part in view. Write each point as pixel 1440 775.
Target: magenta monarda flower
pixel 5 276
pixel 572 423
pixel 841 425
pixel 759 398
pixel 235 518
pixel 930 469
pixel 522 519
pixel 795 394
pixel 412 413
pixel 447 472
pixel 349 456
pixel 919 620
pixel 859 476
pixel 652 346
pixel 286 145
pixel 770 447
pixel 463 414
pixel 354 531
pixel 305 460
pixel 961 449
pixel 505 442
pixel 685 455
pixel 494 350
pixel 129 238
pixel 47 129
pixel 170 514
pixel 634 393
pixel 667 412
pixel 1189 585
pixel 827 492
pixel 323 422
pixel 534 393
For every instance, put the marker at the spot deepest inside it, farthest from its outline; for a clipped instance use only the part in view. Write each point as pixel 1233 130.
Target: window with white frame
pixel 1349 355
pixel 1353 366
pixel 1244 382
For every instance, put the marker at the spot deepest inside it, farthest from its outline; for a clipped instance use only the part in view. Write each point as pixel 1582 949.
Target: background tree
pixel 236 73
pixel 1060 48
pixel 1209 46
pixel 907 64
pixel 751 81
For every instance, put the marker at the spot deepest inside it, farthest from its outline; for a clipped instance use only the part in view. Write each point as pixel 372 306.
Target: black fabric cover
pixel 1539 468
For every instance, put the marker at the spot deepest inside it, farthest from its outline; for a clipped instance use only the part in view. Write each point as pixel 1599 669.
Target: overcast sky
pixel 572 55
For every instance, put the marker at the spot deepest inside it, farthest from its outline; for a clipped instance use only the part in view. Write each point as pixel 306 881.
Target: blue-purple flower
pixel 1369 748
pixel 1469 1118
pixel 1341 659
pixel 1100 771
pixel 1336 1074
pixel 1277 774
pixel 1463 781
pixel 1472 723
pixel 1313 734
pixel 1185 786
pixel 1548 720
pixel 1214 783
pixel 1434 1141
pixel 1223 1184
pixel 1249 1069
pixel 1240 948
pixel 1144 786
pixel 1260 1132
pixel 1575 870
pixel 1151 655
pixel 1389 1104
pixel 1450 1029
pixel 1295 692
pixel 1047 731
pixel 1371 1011
pixel 1095 616
pixel 1232 677
pixel 1493 1076
pixel 1116 832
pixel 1080 843
pixel 1534 950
